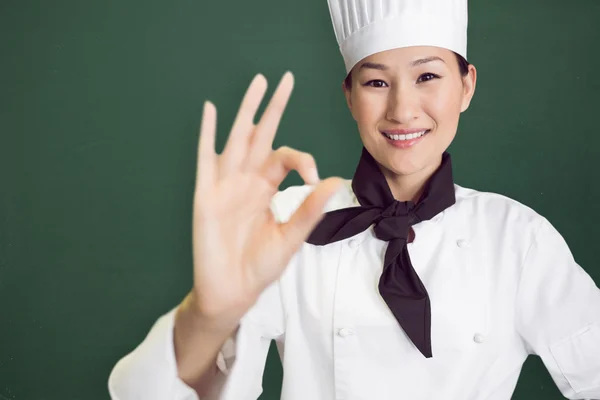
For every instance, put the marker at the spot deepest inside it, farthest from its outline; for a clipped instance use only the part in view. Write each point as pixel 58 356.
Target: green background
pixel 99 112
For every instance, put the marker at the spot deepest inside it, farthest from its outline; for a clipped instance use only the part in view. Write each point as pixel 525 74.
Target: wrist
pixel 209 323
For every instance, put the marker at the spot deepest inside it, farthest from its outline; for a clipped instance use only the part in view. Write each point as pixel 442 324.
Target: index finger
pixel 306 217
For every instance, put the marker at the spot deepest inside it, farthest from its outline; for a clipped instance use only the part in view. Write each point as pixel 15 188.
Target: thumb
pixel 309 214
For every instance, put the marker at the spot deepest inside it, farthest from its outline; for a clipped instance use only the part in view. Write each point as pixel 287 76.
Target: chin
pixel 425 155
pixel 400 162
pixel 403 166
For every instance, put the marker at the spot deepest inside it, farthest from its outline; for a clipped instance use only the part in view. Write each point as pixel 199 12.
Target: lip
pixel 403 131
pixel 405 144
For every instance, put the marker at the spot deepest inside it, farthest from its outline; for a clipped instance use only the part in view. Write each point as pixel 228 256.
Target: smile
pixel 409 136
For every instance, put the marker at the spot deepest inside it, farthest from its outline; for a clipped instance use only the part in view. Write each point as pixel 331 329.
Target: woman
pixel 410 287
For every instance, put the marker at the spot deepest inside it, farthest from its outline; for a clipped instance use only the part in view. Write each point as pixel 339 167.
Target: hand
pixel 238 247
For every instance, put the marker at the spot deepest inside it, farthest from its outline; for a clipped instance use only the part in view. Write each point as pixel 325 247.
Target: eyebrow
pixel 383 67
pixel 371 65
pixel 426 60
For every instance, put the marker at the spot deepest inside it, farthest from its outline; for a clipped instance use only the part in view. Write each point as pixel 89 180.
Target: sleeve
pixel 150 371
pixel 558 314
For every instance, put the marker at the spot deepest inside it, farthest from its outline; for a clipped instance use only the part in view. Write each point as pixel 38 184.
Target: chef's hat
pixel 365 27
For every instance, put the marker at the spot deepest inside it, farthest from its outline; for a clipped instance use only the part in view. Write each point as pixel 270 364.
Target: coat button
pixel 345 332
pixel 353 243
pixel 462 243
pixel 478 338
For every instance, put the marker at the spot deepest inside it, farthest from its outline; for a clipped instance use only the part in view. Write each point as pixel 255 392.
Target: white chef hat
pixel 365 27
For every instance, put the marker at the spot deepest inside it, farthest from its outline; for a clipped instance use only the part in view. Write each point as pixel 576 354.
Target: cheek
pixel 443 106
pixel 368 108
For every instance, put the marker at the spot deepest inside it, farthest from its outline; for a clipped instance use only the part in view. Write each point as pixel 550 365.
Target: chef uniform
pixel 492 280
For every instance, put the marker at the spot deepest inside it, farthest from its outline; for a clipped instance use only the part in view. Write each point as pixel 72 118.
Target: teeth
pixel 406 137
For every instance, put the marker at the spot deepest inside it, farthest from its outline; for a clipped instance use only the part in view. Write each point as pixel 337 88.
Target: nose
pixel 403 105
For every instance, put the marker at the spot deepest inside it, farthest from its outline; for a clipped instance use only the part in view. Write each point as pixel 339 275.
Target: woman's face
pixel 414 93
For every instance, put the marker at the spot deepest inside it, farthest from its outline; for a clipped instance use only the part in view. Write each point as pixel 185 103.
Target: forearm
pixel 197 342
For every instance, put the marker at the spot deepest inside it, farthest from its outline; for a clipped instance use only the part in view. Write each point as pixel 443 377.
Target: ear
pixel 347 94
pixel 469 84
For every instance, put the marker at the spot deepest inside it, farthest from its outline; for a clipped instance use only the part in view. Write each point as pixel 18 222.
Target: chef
pixel 395 284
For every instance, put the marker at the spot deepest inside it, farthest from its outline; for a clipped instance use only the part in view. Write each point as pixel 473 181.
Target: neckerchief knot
pixel 393 222
pixel 399 285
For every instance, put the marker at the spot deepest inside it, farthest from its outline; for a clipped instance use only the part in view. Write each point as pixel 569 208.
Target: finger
pixel 262 141
pixel 308 215
pixel 238 142
pixel 285 159
pixel 207 159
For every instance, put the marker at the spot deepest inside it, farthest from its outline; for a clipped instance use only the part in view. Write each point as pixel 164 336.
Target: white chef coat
pixel 503 284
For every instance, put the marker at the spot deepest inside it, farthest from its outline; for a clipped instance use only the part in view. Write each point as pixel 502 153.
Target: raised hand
pixel 239 248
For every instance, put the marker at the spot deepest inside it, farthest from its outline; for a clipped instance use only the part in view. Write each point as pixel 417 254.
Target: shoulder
pixel 287 201
pixel 467 197
pixel 488 210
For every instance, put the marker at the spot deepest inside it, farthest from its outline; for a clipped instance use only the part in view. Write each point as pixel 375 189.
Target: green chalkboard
pixel 99 108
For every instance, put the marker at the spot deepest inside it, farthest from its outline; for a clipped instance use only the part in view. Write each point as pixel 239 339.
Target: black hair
pixel 463 67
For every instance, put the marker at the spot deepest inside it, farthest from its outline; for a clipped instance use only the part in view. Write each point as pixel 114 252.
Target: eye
pixel 427 77
pixel 376 83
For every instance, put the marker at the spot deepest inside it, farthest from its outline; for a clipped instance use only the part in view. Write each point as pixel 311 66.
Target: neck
pixel 409 187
